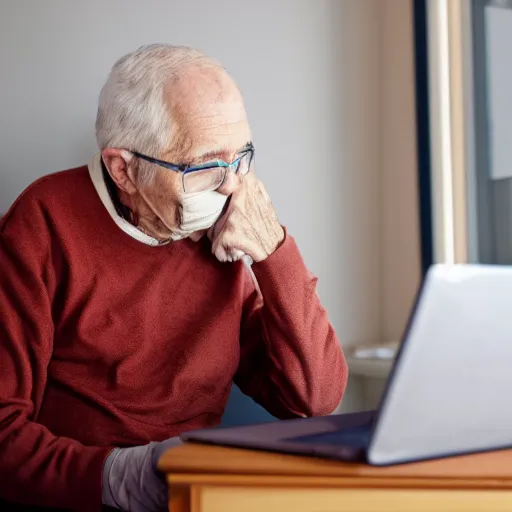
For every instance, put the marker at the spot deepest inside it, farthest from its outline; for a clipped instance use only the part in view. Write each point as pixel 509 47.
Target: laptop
pixel 447 393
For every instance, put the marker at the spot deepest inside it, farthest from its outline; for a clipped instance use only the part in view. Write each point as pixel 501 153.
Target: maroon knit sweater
pixel 106 341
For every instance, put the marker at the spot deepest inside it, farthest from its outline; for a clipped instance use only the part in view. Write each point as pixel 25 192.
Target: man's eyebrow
pixel 217 154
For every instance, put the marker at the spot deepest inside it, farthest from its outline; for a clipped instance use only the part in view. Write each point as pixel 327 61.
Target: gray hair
pixel 132 111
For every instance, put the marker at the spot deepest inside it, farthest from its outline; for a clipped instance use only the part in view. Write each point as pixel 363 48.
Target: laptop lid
pixel 448 392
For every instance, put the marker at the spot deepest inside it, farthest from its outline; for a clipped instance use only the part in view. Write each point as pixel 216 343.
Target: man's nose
pixel 230 184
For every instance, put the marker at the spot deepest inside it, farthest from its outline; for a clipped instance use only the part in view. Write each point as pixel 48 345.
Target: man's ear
pixel 119 163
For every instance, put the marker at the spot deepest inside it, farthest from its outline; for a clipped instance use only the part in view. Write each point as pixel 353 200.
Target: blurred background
pixel 383 133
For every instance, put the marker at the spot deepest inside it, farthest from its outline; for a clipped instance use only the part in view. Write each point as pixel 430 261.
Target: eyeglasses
pixel 209 176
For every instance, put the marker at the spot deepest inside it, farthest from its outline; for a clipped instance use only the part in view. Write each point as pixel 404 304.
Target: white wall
pixel 312 75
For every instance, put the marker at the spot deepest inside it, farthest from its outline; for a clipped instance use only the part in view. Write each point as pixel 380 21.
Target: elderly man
pixel 134 291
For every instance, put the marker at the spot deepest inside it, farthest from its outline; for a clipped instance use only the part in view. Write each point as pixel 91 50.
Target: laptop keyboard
pixel 353 436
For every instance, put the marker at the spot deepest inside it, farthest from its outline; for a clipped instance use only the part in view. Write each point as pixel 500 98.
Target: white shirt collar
pixel 98 180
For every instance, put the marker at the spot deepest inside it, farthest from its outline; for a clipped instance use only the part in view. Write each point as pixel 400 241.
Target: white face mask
pixel 199 211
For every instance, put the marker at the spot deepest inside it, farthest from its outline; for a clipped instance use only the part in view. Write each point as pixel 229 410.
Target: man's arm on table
pixel 36 467
pixel 291 361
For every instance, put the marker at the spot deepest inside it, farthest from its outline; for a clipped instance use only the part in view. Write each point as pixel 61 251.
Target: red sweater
pixel 106 341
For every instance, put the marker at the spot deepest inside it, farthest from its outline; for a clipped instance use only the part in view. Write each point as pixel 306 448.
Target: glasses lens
pixel 245 163
pixel 210 178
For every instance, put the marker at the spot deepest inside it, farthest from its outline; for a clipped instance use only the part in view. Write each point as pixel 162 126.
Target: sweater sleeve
pixel 36 467
pixel 291 361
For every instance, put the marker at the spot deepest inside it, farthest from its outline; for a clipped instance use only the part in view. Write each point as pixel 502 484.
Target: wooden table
pixel 216 479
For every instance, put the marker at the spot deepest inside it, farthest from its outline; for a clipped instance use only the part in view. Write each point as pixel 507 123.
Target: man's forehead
pixel 206 110
pixel 208 118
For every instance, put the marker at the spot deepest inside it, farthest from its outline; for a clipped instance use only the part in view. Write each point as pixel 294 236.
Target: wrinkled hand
pixel 249 226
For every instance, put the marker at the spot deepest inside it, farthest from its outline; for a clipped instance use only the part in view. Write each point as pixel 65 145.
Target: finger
pixel 231 246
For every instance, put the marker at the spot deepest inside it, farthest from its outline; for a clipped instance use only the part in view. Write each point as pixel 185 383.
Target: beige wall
pixel 401 267
pixel 397 215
